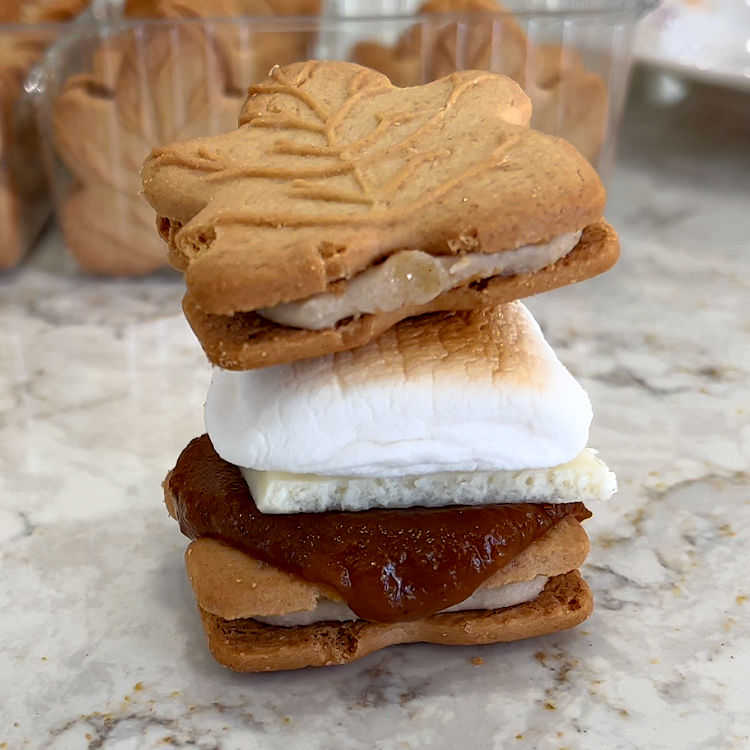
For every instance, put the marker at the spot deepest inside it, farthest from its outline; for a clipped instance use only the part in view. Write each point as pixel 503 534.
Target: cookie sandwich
pixel 428 486
pixel 393 452
pixel 343 204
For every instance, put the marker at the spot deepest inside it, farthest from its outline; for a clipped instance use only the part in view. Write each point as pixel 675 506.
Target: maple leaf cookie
pixel 343 204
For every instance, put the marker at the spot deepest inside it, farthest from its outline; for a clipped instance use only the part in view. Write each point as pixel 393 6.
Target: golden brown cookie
pixel 11 244
pixel 270 587
pixel 247 645
pixel 246 341
pixel 219 8
pixel 333 170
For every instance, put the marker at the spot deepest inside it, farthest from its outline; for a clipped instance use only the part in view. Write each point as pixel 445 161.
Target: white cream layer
pixel 586 478
pixel 495 598
pixel 413 277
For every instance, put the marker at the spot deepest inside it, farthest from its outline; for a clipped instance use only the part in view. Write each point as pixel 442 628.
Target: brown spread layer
pixel 388 565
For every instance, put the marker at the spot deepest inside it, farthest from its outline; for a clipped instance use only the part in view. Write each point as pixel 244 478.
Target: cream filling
pixel 585 478
pixel 413 277
pixel 496 598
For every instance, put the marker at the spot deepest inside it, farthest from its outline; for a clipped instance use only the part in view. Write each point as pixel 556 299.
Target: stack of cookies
pixel 393 451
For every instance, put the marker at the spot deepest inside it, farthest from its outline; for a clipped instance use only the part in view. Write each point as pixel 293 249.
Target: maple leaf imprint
pixel 339 155
pixel 334 169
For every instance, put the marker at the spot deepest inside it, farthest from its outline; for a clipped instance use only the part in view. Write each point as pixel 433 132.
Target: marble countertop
pixel 102 384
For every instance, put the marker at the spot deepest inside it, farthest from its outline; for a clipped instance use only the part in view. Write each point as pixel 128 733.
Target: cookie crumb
pixel 477 661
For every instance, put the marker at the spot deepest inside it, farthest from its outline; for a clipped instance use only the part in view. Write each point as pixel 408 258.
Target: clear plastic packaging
pixel 110 92
pixel 24 203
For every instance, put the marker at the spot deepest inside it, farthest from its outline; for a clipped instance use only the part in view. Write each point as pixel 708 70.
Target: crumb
pixel 740 599
pixel 477 661
pixel 138 686
pixel 550 706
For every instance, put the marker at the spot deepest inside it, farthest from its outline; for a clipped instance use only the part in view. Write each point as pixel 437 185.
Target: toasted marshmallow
pixel 454 392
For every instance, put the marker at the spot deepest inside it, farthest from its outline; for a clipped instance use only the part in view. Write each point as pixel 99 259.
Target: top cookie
pixel 333 169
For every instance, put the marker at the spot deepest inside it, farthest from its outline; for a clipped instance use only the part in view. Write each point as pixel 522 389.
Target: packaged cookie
pixel 572 64
pixel 116 90
pixel 27 28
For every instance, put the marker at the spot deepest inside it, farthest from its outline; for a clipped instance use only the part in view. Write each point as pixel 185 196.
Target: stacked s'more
pixel 393 452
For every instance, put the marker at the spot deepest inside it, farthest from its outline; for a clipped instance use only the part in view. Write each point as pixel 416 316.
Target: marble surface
pixel 101 385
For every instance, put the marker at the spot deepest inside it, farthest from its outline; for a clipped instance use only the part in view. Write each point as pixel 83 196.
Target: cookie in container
pixel 26 30
pixel 154 71
pixel 146 74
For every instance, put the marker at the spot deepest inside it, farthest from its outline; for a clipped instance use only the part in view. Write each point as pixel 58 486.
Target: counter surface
pixel 102 384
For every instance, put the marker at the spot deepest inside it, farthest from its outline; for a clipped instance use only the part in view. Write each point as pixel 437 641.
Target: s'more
pixel 393 452
pixel 428 486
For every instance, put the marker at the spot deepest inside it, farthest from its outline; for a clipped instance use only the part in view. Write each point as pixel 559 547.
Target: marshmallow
pixel 453 392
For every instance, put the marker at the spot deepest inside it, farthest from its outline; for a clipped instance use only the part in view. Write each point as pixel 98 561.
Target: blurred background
pixel 88 89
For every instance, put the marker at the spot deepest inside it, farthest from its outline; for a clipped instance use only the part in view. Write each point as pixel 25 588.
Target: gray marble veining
pixel 102 384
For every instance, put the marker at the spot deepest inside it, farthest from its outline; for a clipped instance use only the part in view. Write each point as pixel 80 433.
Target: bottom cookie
pixel 246 645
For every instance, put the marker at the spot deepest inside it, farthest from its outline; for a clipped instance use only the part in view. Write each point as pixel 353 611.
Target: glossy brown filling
pixel 388 565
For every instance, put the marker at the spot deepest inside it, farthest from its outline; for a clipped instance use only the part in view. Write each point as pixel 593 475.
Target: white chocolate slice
pixel 586 478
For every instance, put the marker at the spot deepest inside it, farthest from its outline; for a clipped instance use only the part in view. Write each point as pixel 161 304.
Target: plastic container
pixel 24 202
pixel 110 92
